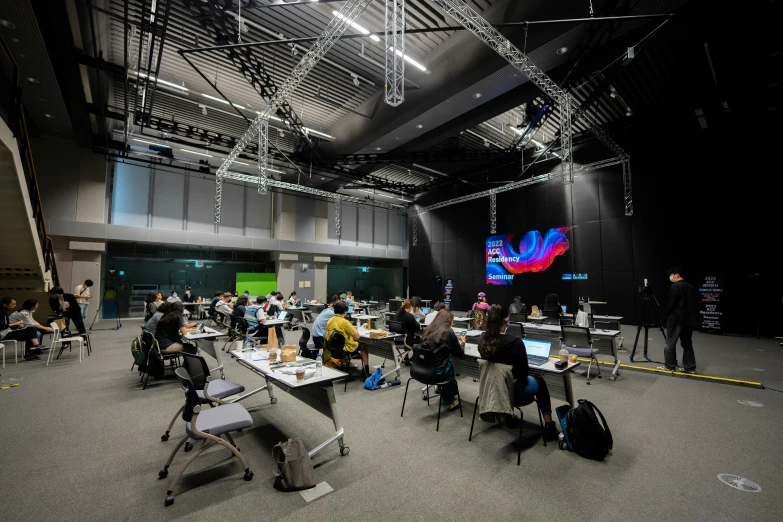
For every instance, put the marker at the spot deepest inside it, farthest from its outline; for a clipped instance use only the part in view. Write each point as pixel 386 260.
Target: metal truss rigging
pixel 338 25
pixel 395 52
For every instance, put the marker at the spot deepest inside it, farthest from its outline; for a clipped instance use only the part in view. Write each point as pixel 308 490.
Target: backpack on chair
pixel 137 350
pixel 586 435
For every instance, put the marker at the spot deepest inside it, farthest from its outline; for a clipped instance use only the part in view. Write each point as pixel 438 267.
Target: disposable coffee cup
pixel 272 355
pixel 300 374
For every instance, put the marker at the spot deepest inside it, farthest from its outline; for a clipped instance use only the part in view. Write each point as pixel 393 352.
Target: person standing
pixel 682 314
pixel 70 308
pixel 82 293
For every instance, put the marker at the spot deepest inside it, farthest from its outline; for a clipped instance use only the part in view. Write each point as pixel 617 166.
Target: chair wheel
pixel 188 446
pixel 612 378
pixel 169 500
pixel 588 383
pixel 274 400
pixel 248 476
pixel 165 437
pixel 562 445
pixel 163 474
pixel 344 451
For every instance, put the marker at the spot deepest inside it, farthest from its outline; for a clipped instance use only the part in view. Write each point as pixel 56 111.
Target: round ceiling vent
pixel 740 483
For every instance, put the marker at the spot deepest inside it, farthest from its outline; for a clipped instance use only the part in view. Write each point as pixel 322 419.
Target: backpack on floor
pixel 293 469
pixel 137 350
pixel 586 435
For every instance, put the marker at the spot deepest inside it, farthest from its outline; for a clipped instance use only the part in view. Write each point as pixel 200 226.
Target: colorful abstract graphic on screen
pixel 534 254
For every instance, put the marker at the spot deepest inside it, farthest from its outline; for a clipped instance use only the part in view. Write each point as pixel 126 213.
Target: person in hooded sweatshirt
pixel 497 346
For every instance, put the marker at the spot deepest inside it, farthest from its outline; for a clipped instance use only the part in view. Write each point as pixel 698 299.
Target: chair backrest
pixel 423 364
pixel 147 340
pixel 552 320
pixel 395 326
pixel 305 338
pixel 567 321
pixel 191 397
pixel 607 325
pixel 517 318
pixel 242 325
pixel 516 330
pixel 553 313
pixel 576 336
pixel 335 341
pixel 197 368
pixel 56 335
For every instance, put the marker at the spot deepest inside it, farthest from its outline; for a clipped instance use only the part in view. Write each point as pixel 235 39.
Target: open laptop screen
pixel 537 348
pixel 282 315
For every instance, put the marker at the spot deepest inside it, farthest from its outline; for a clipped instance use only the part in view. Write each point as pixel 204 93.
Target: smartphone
pixel 463 334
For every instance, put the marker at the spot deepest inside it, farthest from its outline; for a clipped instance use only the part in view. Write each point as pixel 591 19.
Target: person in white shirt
pixel 224 306
pixel 349 298
pixel 435 309
pixel 174 298
pixel 26 316
pixel 292 300
pixel 82 294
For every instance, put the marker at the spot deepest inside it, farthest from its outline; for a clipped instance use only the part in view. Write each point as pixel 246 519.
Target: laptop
pixel 564 308
pixel 350 309
pixel 425 310
pixel 282 315
pixel 537 352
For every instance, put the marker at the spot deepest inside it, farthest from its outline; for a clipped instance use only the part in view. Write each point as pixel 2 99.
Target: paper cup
pixel 272 355
pixel 300 374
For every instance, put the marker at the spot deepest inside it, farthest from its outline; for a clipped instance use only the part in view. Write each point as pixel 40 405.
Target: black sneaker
pixel 31 357
pixel 366 371
pixel 691 371
pixel 550 431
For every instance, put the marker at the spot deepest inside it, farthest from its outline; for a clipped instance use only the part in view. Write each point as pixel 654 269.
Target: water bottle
pixel 248 345
pixel 563 352
pixel 319 366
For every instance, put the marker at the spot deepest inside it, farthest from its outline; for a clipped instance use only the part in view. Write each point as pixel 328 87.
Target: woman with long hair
pixel 552 305
pixel 517 306
pixel 417 313
pixel 409 324
pixel 439 337
pixel 497 346
pixel 171 328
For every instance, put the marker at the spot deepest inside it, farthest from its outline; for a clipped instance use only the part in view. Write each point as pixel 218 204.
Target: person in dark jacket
pixel 441 339
pixel 682 311
pixel 69 307
pixel 497 346
pixel 517 306
pixel 409 323
pixel 172 328
pixel 212 312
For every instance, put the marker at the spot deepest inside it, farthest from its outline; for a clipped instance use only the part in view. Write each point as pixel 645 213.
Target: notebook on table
pixel 537 352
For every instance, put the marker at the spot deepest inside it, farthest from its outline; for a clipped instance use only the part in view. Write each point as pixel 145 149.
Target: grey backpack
pixel 293 468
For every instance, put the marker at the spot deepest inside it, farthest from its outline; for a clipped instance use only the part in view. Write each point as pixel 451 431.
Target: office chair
pixel 516 329
pixel 403 350
pixel 304 349
pixel 577 340
pixel 423 365
pixel 148 341
pixel 207 425
pixel 484 368
pixel 517 318
pixel 199 371
pixel 334 342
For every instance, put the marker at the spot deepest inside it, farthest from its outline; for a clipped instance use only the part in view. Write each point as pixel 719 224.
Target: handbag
pixel 293 469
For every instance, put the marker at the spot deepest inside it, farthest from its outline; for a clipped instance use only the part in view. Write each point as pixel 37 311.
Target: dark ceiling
pixel 459 117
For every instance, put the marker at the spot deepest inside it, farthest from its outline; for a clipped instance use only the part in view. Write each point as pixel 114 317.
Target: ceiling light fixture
pixel 7 24
pixel 242 163
pixel 15 39
pixel 221 100
pixel 199 153
pixel 477 95
pixel 164 82
pixel 319 133
pixel 404 200
pixel 49 116
pixel 32 80
pixel 562 50
pixel 410 60
pixel 419 126
pixel 377 148
pixel 357 27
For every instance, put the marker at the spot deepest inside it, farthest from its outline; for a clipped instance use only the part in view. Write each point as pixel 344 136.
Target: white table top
pixel 596 302
pixel 208 333
pixel 556 328
pixel 275 322
pixel 471 350
pixel 296 308
pixel 364 317
pixel 365 334
pixel 459 319
pixel 262 365
pixel 607 318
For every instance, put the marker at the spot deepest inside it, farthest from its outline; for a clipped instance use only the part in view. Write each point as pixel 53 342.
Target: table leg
pixel 568 388
pixel 339 432
pixel 271 391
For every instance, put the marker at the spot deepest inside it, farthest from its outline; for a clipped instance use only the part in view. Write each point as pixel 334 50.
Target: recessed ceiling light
pixel 377 148
pixel 562 50
pixel 32 80
pixel 6 23
pixel 15 39
pixel 323 178
pixel 49 116
pixel 477 95
pixel 419 126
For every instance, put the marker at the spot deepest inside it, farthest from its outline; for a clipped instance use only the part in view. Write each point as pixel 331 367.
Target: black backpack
pixel 589 437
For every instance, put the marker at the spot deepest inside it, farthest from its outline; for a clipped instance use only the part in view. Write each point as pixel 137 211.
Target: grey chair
pixel 516 329
pixel 577 340
pixel 199 371
pixel 210 426
pixel 517 318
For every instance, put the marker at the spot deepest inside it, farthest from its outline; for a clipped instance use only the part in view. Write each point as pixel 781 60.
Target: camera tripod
pixel 649 311
pixel 111 286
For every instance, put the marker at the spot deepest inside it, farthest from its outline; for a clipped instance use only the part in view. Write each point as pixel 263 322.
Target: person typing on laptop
pixel 497 346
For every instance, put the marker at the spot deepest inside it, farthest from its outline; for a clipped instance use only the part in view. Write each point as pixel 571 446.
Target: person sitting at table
pixel 409 326
pixel 246 293
pixel 26 316
pixel 343 326
pixel 150 305
pixel 256 317
pixel 151 325
pixel 319 325
pixel 240 307
pixel 275 306
pixel 188 297
pixel 224 306
pixel 17 330
pixel 215 300
pixel 171 328
pixel 517 306
pixel 435 309
pixel 552 306
pixel 349 300
pixel 497 346
pixel 417 313
pixel 174 298
pixel 440 338
pixel 479 311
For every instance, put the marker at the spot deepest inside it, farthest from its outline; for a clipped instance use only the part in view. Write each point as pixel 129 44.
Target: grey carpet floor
pixel 80 441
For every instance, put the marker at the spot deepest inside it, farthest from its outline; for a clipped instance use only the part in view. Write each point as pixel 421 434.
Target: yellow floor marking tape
pixel 6 386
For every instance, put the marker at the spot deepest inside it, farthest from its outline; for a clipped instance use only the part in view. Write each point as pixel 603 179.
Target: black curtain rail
pixel 419 31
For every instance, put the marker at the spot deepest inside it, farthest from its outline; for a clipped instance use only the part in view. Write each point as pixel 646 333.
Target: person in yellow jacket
pixel 339 324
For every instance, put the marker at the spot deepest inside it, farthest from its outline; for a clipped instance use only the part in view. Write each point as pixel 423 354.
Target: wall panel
pixel 168 200
pixel 201 205
pixel 131 194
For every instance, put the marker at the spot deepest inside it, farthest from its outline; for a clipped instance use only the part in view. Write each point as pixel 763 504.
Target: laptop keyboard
pixel 537 361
